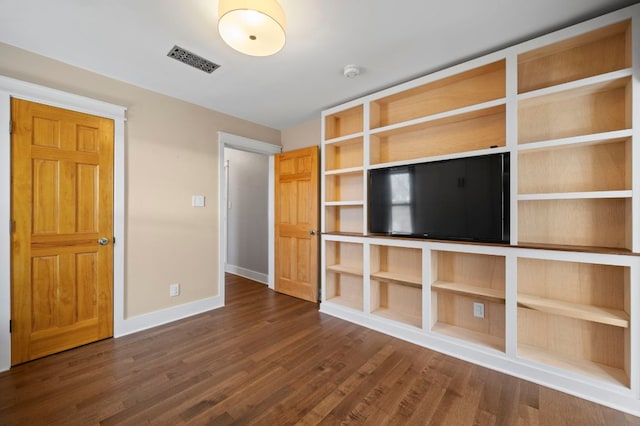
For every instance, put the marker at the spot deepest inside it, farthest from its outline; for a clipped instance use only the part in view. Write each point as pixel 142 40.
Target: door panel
pixel 296 177
pixel 61 204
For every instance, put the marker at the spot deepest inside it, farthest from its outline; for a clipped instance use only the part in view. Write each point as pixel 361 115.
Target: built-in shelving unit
pixel 575 311
pixel 459 281
pixel 396 283
pixel 344 274
pixel 560 304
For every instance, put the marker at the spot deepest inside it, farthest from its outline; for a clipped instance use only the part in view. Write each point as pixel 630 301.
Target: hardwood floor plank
pixel 270 359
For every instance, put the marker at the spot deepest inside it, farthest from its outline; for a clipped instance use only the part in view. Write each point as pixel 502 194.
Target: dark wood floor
pixel 270 359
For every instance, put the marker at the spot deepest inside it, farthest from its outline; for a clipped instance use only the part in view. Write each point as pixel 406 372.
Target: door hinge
pixel 12 226
pixel 10 326
pixel 114 240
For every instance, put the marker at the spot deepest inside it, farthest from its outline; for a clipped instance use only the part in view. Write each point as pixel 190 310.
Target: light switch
pixel 197 201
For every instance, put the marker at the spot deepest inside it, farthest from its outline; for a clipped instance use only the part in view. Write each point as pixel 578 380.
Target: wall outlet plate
pixel 478 310
pixel 174 290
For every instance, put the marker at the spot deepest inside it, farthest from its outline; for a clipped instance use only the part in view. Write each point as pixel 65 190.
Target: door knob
pixel 312 232
pixel 103 241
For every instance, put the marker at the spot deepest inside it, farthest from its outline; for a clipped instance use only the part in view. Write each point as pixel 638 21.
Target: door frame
pixel 9 88
pixel 228 140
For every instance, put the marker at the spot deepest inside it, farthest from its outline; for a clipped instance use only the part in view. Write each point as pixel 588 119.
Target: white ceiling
pixel 392 40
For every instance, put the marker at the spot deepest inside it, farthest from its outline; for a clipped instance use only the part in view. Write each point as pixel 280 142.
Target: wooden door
pixel 296 223
pixel 61 205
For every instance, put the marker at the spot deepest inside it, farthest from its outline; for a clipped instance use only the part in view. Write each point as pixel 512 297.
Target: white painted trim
pixel 174 313
pixel 119 220
pixel 246 144
pixel 247 273
pixel 271 223
pixel 5 233
pixel 57 98
pixel 258 147
pixel 19 89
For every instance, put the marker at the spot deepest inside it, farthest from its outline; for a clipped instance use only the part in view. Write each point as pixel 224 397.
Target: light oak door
pixel 62 218
pixel 296 223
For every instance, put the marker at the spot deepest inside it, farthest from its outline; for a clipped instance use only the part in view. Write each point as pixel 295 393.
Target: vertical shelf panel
pixel 603 166
pixel 471 87
pixel 587 110
pixel 598 52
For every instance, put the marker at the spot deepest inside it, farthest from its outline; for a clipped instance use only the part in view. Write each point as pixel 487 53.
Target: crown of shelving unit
pixel 560 305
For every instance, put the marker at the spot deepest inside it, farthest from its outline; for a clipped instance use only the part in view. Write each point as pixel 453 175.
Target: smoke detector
pixel 351 71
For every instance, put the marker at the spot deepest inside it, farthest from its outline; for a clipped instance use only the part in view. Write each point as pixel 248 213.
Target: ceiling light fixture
pixel 252 27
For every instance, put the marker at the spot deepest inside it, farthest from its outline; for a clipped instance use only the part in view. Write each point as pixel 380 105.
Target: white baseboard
pixel 164 316
pixel 247 273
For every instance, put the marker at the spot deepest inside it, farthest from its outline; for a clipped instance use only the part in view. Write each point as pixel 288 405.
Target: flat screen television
pixel 457 199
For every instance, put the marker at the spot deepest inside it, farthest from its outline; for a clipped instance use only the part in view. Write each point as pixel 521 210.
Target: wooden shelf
pixel 597 108
pixel 584 140
pixel 597 168
pixel 344 203
pixel 471 87
pixel 597 371
pixel 344 218
pixel 344 123
pixel 469 291
pixel 474 272
pixel 344 154
pixel 343 277
pixel 399 316
pixel 343 171
pixel 398 278
pixel 598 314
pixel 344 187
pixel 597 52
pixel 476 130
pixel 571 222
pixel 577 195
pixel 349 302
pixel 482 339
pixel 345 269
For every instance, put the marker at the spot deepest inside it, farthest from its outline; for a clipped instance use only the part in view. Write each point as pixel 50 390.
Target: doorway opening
pixel 239 143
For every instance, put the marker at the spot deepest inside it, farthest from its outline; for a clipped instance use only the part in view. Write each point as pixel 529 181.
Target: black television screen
pixel 457 199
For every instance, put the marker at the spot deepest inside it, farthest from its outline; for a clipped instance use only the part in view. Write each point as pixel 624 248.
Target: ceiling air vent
pixel 189 58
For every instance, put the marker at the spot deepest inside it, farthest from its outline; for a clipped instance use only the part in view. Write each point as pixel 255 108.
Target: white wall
pixel 301 136
pixel 247 226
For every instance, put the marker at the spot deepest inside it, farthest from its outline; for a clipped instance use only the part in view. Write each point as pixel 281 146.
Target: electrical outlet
pixel 174 290
pixel 478 310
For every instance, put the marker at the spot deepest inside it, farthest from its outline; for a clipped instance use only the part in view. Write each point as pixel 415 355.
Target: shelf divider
pixel 469 291
pixel 396 278
pixel 597 314
pixel 344 269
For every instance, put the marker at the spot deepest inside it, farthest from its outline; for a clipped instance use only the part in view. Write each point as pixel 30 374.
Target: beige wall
pixel 301 136
pixel 171 154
